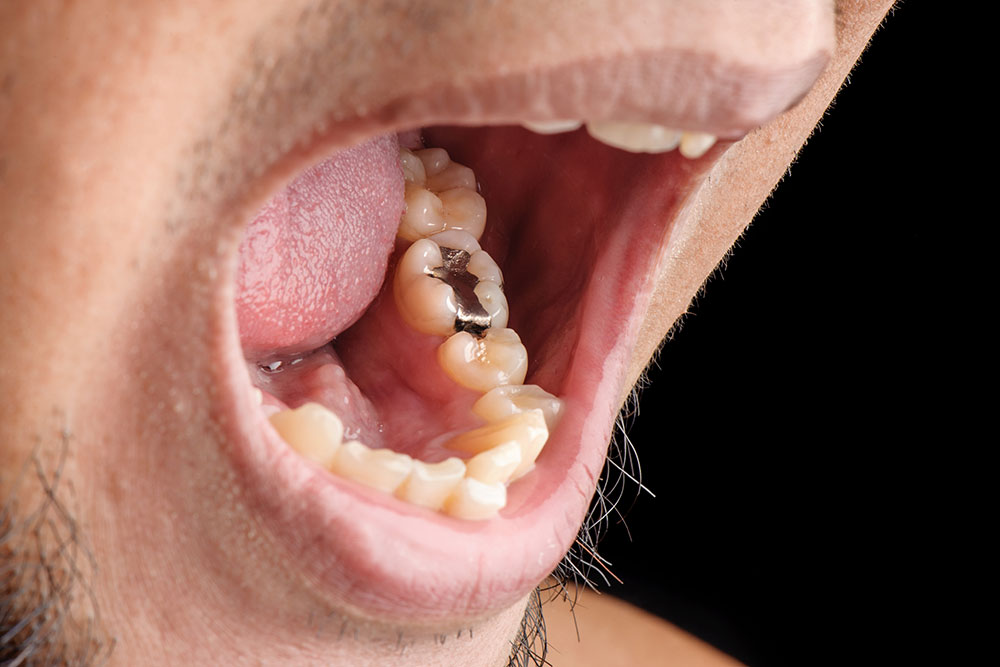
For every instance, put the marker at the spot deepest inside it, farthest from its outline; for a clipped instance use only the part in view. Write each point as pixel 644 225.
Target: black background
pixel 780 429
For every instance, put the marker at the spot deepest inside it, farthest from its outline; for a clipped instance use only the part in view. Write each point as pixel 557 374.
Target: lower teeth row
pixel 446 285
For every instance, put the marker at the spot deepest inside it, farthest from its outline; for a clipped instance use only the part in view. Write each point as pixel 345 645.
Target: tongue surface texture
pixel 315 255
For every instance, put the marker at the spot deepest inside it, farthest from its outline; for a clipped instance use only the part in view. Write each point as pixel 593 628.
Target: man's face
pixel 139 139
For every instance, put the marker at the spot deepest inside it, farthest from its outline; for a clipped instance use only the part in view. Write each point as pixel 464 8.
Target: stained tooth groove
pixel 480 364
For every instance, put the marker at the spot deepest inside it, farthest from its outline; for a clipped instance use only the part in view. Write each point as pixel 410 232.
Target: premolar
pixel 480 364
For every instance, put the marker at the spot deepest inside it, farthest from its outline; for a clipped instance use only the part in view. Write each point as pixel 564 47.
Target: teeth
pixel 473 499
pixel 457 239
pixel 502 402
pixel 635 137
pixel 423 214
pixel 311 430
pixel 552 126
pixel 413 167
pixel 442 173
pixel 696 144
pixel 464 210
pixel 381 469
pixel 496 464
pixel 424 302
pixel 526 428
pixel 492 298
pixel 430 484
pixel 498 358
pixel 482 266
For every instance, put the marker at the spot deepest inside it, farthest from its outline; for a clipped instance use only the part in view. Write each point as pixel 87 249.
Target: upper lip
pixel 377 558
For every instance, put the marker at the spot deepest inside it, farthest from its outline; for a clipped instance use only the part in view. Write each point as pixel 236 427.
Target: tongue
pixel 316 254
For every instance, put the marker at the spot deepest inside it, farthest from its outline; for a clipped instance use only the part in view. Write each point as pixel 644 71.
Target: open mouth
pixel 386 447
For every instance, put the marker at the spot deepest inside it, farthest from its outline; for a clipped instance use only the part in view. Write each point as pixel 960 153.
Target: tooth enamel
pixel 696 144
pixel 430 484
pixel 311 430
pixel 435 160
pixel 551 126
pixel 502 402
pixel 474 500
pixel 454 175
pixel 457 239
pixel 498 358
pixel 482 266
pixel 423 216
pixel 492 299
pixel 464 210
pixel 381 469
pixel 635 137
pixel 496 464
pixel 525 428
pixel 424 302
pixel 413 168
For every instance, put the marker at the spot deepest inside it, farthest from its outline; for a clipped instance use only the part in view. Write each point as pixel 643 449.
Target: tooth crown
pixel 446 285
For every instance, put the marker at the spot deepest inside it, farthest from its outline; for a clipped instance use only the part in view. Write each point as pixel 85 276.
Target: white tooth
pixel 454 175
pixel 492 299
pixel 311 430
pixel 496 464
pixel 430 484
pixel 498 358
pixel 472 499
pixel 696 144
pixel 435 160
pixel 424 302
pixel 413 168
pixel 551 126
pixel 381 469
pixel 635 137
pixel 501 402
pixel 423 215
pixel 464 210
pixel 525 428
pixel 482 266
pixel 457 239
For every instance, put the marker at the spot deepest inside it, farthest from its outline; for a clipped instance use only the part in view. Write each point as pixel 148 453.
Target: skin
pixel 105 186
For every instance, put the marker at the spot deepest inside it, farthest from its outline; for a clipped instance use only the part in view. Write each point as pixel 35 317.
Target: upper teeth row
pixel 634 137
pixel 446 285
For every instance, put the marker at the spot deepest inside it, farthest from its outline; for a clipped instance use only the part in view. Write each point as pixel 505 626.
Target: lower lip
pixel 378 558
